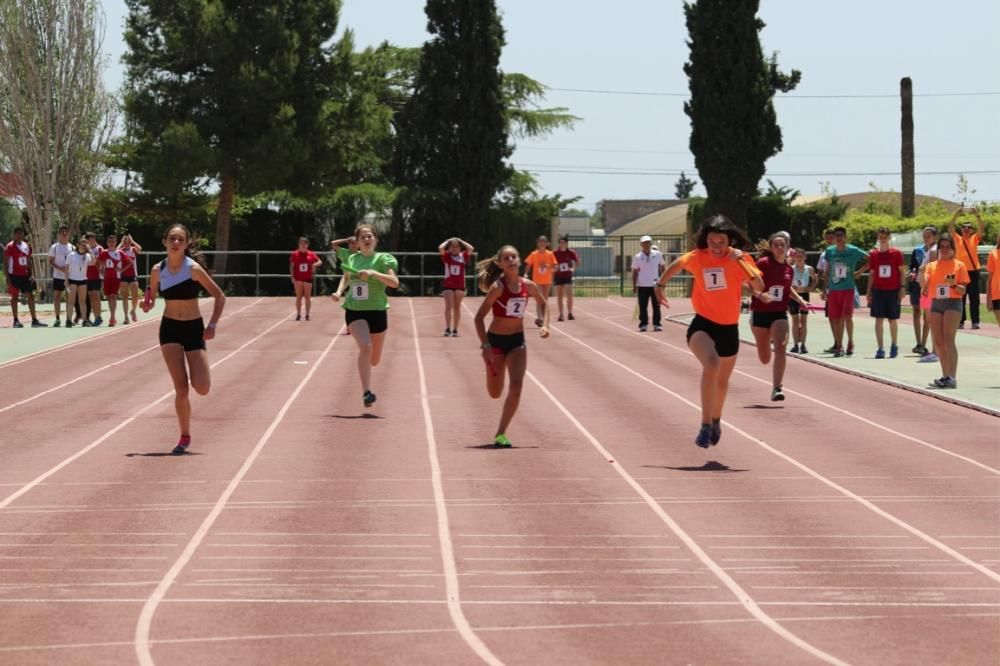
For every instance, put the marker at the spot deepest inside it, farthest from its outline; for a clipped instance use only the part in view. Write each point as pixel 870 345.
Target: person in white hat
pixel 647 266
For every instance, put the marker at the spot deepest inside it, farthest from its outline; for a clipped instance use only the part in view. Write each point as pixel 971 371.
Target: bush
pixel 862 227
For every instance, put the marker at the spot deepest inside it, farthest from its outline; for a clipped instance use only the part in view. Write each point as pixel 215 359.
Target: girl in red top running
pixel 503 345
pixel 112 262
pixel 303 264
pixel 455 254
pixel 129 277
pixel 769 319
pixel 719 270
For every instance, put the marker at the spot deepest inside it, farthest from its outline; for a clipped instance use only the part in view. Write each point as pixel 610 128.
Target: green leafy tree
pixel 235 91
pixel 734 128
pixel 452 143
pixel 684 186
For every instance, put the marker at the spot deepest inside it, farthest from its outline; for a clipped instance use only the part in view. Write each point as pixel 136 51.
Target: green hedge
pixel 862 227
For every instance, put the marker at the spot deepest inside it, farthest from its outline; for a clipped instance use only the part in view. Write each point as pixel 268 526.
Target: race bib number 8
pixel 840 271
pixel 454 269
pixel 884 271
pixel 715 279
pixel 564 268
pixel 777 292
pixel 942 291
pixel 516 307
pixel 359 291
pixel 303 268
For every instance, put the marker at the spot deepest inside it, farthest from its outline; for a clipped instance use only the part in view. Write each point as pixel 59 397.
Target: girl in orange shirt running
pixel 503 346
pixel 719 269
pixel 541 265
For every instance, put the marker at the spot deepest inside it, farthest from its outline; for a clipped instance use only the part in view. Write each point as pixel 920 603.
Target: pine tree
pixel 452 141
pixel 684 186
pixel 734 128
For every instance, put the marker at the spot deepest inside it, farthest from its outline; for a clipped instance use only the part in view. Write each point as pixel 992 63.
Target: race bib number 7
pixel 715 279
pixel 884 271
pixel 359 291
pixel 516 307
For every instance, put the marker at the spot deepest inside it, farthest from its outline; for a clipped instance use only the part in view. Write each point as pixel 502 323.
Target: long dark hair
pixel 489 271
pixel 198 257
pixel 720 224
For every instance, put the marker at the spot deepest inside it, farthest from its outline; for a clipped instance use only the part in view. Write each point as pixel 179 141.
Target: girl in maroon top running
pixel 769 310
pixel 503 345
pixel 455 254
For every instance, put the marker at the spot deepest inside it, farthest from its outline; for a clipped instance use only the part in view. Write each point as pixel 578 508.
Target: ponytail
pixel 488 270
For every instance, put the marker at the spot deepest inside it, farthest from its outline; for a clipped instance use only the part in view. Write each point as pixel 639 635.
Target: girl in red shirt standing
pixel 567 262
pixel 455 254
pixel 129 277
pixel 303 264
pixel 769 311
pixel 112 262
pixel 503 345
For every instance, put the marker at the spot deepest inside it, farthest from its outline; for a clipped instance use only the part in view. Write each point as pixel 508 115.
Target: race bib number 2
pixel 454 269
pixel 715 279
pixel 359 291
pixel 516 307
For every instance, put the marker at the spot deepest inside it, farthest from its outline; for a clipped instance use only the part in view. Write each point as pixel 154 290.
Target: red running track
pixel 855 523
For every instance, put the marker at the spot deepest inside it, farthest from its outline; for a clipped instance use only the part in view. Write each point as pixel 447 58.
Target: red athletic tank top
pixel 511 305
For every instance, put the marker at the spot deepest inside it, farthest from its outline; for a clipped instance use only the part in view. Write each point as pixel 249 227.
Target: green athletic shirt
pixel 841 266
pixel 367 295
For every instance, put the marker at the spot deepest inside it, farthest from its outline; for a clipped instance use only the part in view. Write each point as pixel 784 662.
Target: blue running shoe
pixel 893 351
pixel 716 431
pixel 880 353
pixel 704 438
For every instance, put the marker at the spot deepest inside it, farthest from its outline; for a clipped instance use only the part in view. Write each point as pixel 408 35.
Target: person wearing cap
pixel 647 266
pixel 967 251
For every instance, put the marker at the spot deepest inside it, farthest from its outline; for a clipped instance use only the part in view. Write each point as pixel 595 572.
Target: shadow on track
pixel 493 447
pixel 163 454
pixel 710 466
pixel 356 416
pixel 758 406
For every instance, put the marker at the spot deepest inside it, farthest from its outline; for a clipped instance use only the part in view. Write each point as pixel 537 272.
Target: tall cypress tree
pixel 452 142
pixel 734 128
pixel 230 90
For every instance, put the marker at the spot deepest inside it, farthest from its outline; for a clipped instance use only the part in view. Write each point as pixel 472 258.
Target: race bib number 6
pixel 359 291
pixel 715 279
pixel 942 291
pixel 516 307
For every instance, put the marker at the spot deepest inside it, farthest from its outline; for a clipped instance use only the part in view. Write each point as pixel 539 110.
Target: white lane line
pixel 100 440
pixel 990 573
pixel 107 366
pixel 444 529
pixel 315 545
pixel 741 595
pixel 150 605
pixel 823 403
pixel 312 557
pixel 307 534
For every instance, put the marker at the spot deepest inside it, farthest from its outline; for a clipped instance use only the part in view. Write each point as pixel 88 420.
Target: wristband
pixel 485 346
pixel 211 326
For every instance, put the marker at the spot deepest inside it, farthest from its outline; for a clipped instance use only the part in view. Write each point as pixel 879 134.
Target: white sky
pixel 851 47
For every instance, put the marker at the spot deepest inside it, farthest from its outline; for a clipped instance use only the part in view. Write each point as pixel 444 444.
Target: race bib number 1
pixel 943 291
pixel 715 279
pixel 884 271
pixel 359 291
pixel 516 307
pixel 777 292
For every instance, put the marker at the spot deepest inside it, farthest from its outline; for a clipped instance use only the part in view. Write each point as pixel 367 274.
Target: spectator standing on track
pixel 568 261
pixel 455 254
pixel 769 318
pixel 77 264
pixel 919 259
pixel 17 264
pixel 886 290
pixel 946 280
pixel 967 242
pixel 367 304
pixel 94 280
pixel 112 261
pixel 719 269
pixel 993 281
pixel 503 344
pixel 540 268
pixel 647 267
pixel 179 278
pixel 303 264
pixel 822 266
pixel 803 282
pixel 130 276
pixel 844 262
pixel 58 254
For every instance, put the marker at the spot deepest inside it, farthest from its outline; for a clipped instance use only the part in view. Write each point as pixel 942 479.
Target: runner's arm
pixel 480 319
pixel 206 281
pixel 537 294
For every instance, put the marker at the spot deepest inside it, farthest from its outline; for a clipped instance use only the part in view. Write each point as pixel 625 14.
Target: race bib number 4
pixel 777 292
pixel 840 271
pixel 885 271
pixel 359 291
pixel 942 291
pixel 715 279
pixel 516 307
pixel 564 268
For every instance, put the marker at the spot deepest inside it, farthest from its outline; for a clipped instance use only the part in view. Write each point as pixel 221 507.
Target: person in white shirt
pixel 647 266
pixel 76 273
pixel 58 254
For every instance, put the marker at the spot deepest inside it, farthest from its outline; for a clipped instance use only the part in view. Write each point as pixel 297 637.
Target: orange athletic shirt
pixel 542 265
pixel 993 266
pixel 971 262
pixel 936 272
pixel 718 283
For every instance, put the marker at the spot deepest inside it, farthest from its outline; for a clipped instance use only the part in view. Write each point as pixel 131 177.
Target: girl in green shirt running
pixel 366 305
